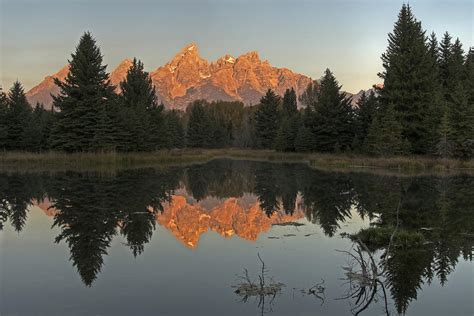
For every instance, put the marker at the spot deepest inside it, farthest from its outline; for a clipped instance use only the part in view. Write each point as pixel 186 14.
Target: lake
pixel 231 237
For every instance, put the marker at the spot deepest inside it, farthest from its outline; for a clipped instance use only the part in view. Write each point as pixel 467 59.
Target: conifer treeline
pixel 426 106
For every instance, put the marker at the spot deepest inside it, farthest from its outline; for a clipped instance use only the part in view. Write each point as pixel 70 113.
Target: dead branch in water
pixel 261 290
pixel 363 277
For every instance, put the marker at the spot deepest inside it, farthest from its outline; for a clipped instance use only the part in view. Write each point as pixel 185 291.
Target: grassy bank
pixel 56 160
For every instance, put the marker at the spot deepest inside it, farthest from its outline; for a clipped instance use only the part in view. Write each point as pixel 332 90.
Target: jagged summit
pixel 188 76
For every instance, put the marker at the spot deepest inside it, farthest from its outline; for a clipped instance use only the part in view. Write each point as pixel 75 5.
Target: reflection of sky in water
pixel 171 279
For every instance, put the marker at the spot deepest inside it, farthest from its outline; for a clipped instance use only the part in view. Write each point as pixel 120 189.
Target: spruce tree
pixel 409 80
pixel 332 124
pixel 444 60
pixel 173 130
pixel 18 116
pixel 37 131
pixel 304 141
pixel 462 119
pixel 3 120
pixel 267 119
pixel 458 99
pixel 289 122
pixel 385 134
pixel 83 94
pixel 143 117
pixel 310 95
pixel 199 130
pixel 289 105
pixel 445 145
pixel 364 115
pixel 469 75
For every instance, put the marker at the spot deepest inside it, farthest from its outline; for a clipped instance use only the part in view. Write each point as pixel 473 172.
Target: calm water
pixel 175 241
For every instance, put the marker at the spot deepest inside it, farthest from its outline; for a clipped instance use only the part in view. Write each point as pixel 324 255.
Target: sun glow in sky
pixel 306 36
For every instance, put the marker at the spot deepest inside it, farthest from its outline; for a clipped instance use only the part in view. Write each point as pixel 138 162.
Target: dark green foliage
pixel 385 134
pixel 310 95
pixel 304 141
pixel 3 120
pixel 332 120
pixel 218 124
pixel 83 94
pixel 199 130
pixel 462 119
pixel 289 123
pixel 244 131
pixel 38 129
pixel 267 119
pixel 445 145
pixel 409 80
pixel 173 130
pixel 289 105
pixel 469 75
pixel 141 119
pixel 18 114
pixel 364 115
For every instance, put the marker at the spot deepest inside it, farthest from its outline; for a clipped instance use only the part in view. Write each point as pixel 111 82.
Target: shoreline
pixel 50 161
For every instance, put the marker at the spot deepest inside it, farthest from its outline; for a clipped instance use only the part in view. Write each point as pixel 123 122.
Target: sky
pixel 306 36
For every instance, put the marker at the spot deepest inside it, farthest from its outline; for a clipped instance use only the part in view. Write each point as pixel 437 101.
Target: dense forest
pixel 424 107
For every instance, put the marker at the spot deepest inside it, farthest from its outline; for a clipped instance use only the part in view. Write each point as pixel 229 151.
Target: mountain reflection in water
pixel 244 199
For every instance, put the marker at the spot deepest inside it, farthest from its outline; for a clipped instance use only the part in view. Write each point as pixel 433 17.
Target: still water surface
pixel 176 241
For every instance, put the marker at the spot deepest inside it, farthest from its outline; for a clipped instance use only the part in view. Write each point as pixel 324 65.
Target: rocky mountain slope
pixel 188 77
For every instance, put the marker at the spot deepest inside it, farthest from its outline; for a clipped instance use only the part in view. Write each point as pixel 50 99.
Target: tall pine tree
pixel 267 119
pixel 18 116
pixel 364 115
pixel 199 131
pixel 142 118
pixel 84 92
pixel 332 122
pixel 3 120
pixel 288 129
pixel 409 80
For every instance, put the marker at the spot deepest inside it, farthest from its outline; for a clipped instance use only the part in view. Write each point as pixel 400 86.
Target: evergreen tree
pixel 310 95
pixel 469 75
pixel 409 80
pixel 290 105
pixel 267 119
pixel 462 119
pixel 444 60
pixel 198 132
pixel 436 108
pixel 445 144
pixel 173 129
pixel 85 90
pixel 143 118
pixel 37 130
pixel 458 99
pixel 286 135
pixel 385 134
pixel 332 124
pixel 304 141
pixel 3 120
pixel 364 115
pixel 18 116
pixel 245 135
pixel 103 137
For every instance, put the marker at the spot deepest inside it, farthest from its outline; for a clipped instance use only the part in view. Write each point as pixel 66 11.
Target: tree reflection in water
pixel 433 216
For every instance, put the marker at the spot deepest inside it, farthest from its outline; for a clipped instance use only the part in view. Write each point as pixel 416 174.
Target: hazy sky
pixel 37 36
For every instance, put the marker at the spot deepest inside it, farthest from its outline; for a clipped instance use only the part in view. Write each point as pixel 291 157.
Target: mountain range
pixel 188 77
pixel 187 220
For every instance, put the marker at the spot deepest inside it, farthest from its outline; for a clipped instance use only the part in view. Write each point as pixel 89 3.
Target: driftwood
pixel 264 288
pixel 295 224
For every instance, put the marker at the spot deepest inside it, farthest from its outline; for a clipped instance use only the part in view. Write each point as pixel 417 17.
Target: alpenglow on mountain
pixel 188 77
